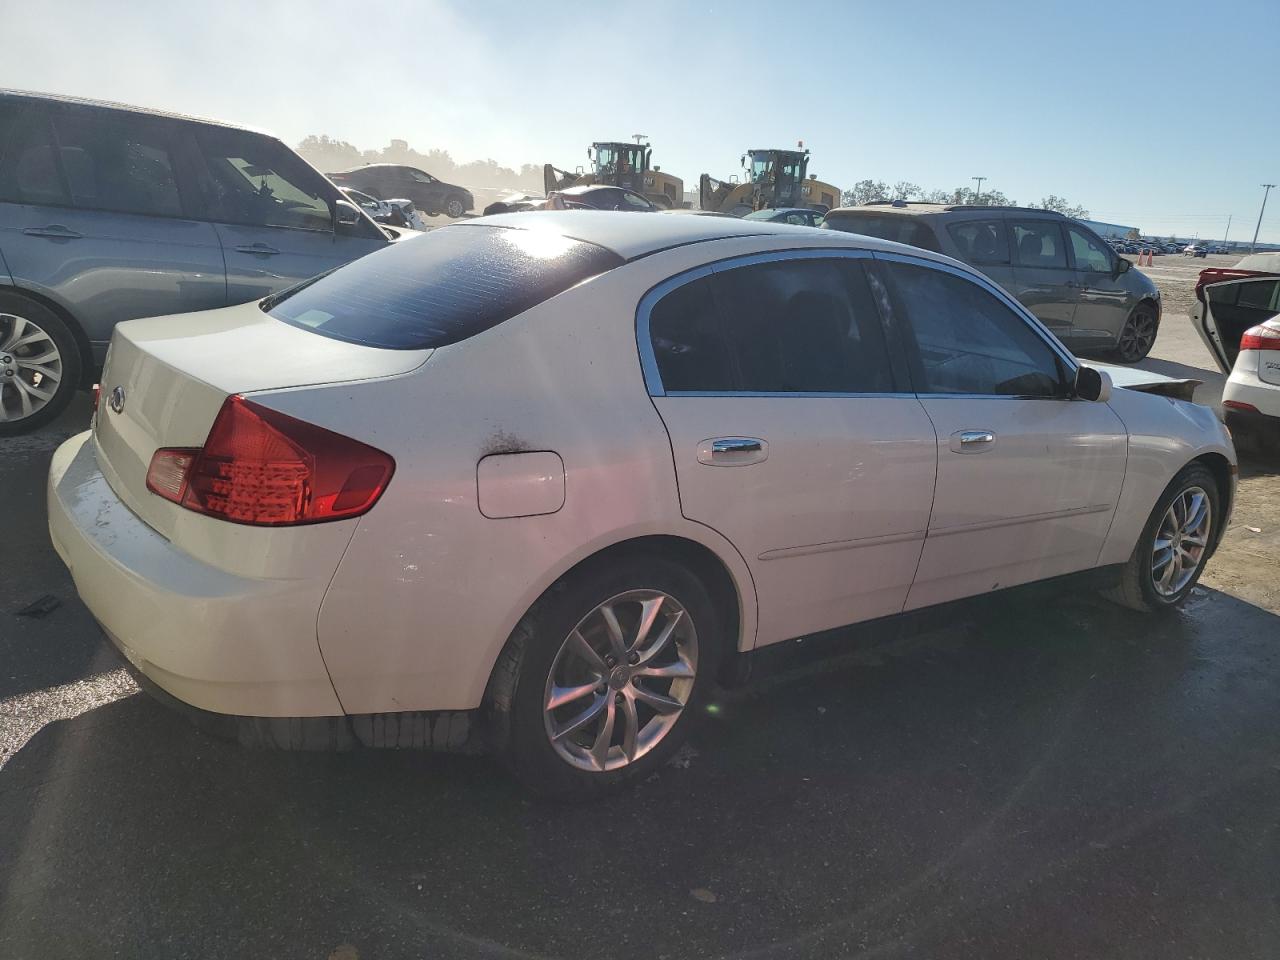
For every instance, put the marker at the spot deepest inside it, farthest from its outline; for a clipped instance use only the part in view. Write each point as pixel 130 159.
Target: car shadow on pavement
pixel 1028 774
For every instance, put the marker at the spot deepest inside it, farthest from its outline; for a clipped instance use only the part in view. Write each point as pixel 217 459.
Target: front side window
pixel 446 286
pixel 1090 253
pixel 968 341
pixel 421 177
pixel 1038 243
pixel 118 162
pixel 256 181
pixel 981 241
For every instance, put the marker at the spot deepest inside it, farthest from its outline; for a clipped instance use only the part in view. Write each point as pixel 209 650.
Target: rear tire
pixel 550 748
pixel 40 364
pixel 1145 584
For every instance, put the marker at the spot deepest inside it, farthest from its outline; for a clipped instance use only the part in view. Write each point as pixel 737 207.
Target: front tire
pixel 1174 546
pixel 1138 335
pixel 39 364
pixel 454 207
pixel 600 681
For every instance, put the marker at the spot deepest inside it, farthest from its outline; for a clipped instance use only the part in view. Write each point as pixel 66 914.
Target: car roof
pixel 918 207
pixel 7 93
pixel 634 235
pixel 371 166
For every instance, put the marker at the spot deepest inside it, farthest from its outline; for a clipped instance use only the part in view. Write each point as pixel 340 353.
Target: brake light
pixel 1265 336
pixel 96 392
pixel 1239 405
pixel 265 468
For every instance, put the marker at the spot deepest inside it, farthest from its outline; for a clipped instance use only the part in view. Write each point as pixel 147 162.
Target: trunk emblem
pixel 116 400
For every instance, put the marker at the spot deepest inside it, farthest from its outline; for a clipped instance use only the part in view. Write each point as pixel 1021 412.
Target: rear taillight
pixel 1265 336
pixel 97 393
pixel 1239 405
pixel 266 468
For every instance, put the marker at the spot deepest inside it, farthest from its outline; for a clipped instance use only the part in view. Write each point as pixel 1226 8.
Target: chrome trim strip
pixel 783 553
pixel 1025 518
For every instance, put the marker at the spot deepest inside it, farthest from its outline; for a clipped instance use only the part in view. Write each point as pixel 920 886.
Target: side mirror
pixel 1093 384
pixel 1123 265
pixel 346 213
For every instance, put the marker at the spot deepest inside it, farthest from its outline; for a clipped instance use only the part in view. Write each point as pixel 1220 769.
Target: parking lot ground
pixel 1035 774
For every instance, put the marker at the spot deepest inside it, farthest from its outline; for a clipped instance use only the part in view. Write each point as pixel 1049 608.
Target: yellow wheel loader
pixel 773 178
pixel 620 165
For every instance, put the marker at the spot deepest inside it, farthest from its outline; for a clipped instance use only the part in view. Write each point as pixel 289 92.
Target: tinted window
pixel 440 288
pixel 981 241
pixel 903 229
pixel 803 326
pixel 688 342
pixel 258 182
pixel 118 161
pixel 968 340
pixel 1039 243
pixel 1090 253
pixel 633 201
pixel 29 169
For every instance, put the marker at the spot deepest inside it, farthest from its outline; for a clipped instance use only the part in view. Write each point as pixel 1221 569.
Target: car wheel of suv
pixel 39 364
pixel 1175 543
pixel 1138 335
pixel 454 207
pixel 602 678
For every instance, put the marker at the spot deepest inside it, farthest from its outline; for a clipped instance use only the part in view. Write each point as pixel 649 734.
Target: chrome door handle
pixel 732 451
pixel 972 441
pixel 736 445
pixel 54 230
pixel 259 248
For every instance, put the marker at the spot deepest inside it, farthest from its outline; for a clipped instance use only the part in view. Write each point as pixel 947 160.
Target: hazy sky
pixel 1161 113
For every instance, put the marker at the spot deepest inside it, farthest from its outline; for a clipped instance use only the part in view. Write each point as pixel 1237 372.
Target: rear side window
pixel 440 288
pixel 908 230
pixel 788 326
pixel 29 167
pixel 1039 243
pixel 981 241
pixel 118 161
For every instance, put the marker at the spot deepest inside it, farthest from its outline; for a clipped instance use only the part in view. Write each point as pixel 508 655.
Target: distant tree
pixel 864 191
pixel 905 190
pixel 328 155
pixel 1133 234
pixel 1058 204
pixel 988 198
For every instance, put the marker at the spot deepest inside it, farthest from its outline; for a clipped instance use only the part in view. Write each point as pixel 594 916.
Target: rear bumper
pixel 217 641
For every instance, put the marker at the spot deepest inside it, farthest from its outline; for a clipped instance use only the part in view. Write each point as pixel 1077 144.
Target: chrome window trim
pixel 1000 294
pixel 649 361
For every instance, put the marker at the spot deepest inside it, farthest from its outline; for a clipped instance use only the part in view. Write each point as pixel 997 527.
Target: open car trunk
pixel 1229 309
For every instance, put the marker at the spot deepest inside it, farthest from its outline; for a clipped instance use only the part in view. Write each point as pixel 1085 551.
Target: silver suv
pixel 108 213
pixel 1060 270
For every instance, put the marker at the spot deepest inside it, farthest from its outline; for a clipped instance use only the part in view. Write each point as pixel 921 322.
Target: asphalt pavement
pixel 1036 774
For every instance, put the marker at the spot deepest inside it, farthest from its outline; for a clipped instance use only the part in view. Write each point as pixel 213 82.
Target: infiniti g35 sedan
pixel 539 478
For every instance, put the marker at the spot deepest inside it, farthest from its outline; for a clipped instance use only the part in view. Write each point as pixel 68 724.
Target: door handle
pixel 732 451
pixel 55 231
pixel 972 441
pixel 262 249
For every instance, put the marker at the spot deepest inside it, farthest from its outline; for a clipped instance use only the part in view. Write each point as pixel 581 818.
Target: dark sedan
pixel 391 180
pixel 801 216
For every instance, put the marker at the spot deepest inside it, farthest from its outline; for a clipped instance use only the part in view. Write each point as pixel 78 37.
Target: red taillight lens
pixel 97 392
pixel 266 468
pixel 1265 336
pixel 1239 405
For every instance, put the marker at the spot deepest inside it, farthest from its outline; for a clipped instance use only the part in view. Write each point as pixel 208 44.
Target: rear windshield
pixel 440 288
pixel 907 230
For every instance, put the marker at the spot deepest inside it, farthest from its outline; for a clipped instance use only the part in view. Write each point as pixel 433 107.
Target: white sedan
pixel 1239 323
pixel 557 471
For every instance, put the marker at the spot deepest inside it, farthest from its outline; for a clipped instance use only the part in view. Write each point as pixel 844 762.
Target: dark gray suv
pixel 1062 271
pixel 108 213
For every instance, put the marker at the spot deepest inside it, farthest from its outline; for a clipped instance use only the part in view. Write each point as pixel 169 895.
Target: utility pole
pixel 1266 190
pixel 1225 235
pixel 978 196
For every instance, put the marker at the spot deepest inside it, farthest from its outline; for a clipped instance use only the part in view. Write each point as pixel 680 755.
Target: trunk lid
pixel 165 380
pixel 1231 307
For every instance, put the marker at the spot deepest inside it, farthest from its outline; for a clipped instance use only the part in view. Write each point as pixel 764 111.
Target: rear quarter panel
pixel 429 588
pixel 1164 436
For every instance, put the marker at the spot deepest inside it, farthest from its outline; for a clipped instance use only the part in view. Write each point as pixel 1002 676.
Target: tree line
pixel 866 191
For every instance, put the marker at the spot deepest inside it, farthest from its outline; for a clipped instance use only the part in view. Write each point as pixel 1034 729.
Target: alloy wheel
pixel 1137 337
pixel 1181 542
pixel 30 368
pixel 453 208
pixel 621 680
